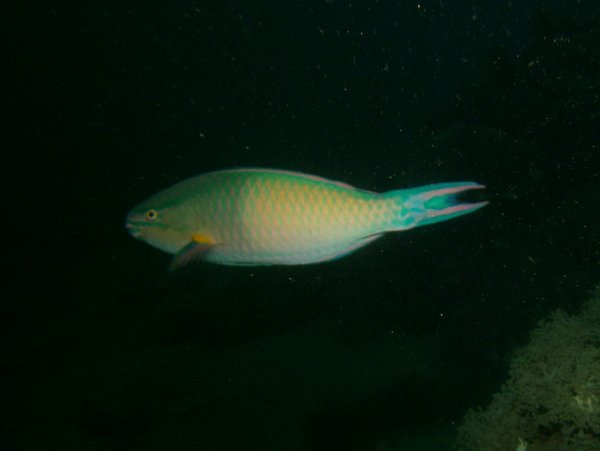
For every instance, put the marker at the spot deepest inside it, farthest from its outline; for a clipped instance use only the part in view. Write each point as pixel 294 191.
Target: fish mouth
pixel 133 230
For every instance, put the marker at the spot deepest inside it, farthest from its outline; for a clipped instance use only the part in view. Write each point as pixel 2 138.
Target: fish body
pixel 269 217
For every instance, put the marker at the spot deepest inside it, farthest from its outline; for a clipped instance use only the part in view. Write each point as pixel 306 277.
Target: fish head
pixel 159 224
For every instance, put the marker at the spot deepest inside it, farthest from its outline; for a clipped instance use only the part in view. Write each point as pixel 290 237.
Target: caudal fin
pixel 430 204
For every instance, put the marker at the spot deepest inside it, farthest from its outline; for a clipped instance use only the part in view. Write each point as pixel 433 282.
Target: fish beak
pixel 133 230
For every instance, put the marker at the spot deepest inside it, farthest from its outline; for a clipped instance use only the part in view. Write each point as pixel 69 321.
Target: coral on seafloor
pixel 551 400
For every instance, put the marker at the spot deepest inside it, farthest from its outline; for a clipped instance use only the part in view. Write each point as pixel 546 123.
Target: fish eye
pixel 151 215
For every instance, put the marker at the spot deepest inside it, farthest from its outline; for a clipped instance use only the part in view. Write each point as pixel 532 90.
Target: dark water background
pixel 383 350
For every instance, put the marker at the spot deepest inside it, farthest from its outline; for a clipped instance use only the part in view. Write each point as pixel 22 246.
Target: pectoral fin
pixel 195 250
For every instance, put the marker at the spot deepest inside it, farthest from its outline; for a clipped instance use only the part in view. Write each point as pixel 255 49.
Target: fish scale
pixel 291 212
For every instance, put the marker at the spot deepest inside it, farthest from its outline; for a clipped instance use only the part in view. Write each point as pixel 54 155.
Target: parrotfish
pixel 274 217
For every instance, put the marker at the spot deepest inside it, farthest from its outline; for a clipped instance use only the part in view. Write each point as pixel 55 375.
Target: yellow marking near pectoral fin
pixel 195 250
pixel 203 239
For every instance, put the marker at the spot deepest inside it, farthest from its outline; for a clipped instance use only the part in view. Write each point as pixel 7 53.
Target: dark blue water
pixel 383 350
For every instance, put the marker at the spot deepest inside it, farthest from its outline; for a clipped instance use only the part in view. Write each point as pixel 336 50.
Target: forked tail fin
pixel 430 204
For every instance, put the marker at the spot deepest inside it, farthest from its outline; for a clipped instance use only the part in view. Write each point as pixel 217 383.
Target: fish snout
pixel 133 230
